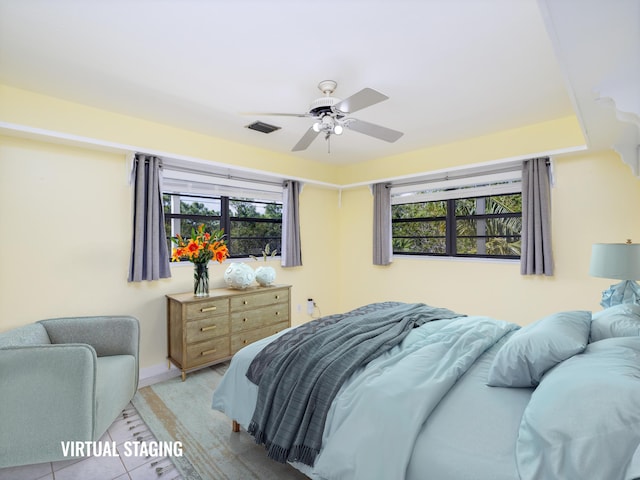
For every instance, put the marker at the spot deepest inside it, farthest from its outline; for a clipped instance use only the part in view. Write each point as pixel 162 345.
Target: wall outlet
pixel 310 306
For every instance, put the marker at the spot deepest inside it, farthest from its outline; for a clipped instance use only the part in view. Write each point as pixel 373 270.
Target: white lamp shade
pixel 615 260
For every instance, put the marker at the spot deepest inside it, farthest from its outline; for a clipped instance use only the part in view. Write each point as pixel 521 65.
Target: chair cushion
pixel 115 387
pixel 32 334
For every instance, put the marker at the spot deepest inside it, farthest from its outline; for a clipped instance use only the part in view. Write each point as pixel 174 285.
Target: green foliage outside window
pixel 481 226
pixel 248 224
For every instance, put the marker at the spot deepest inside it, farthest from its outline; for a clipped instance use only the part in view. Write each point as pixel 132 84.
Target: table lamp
pixel 621 261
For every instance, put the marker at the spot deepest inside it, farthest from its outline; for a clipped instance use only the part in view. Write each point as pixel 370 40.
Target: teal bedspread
pixel 297 387
pixel 387 404
pixel 423 409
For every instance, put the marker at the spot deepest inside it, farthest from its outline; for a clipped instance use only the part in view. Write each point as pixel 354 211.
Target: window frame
pixel 451 237
pixel 225 219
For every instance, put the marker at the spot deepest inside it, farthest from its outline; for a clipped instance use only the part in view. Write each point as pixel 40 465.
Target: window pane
pixel 254 224
pixel 249 224
pixel 244 208
pixel 251 237
pixel 190 205
pixel 434 246
pixel 426 234
pixel 419 229
pixel 465 206
pixel 488 246
pixel 484 226
pixel 419 210
pixel 510 226
pixel 505 203
pixel 489 236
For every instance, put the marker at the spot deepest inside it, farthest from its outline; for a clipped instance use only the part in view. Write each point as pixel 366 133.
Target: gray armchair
pixel 64 379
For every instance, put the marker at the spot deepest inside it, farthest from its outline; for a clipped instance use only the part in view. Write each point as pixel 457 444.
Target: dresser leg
pixel 235 426
pixel 184 376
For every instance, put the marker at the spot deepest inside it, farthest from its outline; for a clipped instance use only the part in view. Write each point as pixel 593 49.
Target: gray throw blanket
pixel 297 387
pixel 294 336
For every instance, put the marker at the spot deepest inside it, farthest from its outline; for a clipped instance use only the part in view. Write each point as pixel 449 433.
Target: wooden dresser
pixel 209 330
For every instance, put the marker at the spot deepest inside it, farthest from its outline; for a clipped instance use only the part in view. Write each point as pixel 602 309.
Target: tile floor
pixel 123 429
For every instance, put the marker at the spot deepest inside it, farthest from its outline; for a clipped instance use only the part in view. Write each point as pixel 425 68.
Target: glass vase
pixel 200 279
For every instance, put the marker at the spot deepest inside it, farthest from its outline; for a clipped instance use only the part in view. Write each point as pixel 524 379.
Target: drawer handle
pixel 245 303
pixel 206 329
pixel 244 319
pixel 277 297
pixel 277 313
pixel 208 352
pixel 208 309
pixel 244 341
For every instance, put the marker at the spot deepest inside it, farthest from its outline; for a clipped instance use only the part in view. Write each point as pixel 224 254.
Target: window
pixel 249 224
pixel 473 217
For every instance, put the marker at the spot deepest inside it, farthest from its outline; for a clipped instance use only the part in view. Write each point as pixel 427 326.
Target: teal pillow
pixel 537 347
pixel 583 420
pixel 618 321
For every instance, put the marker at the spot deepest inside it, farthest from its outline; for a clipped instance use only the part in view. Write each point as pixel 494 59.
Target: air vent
pixel 262 127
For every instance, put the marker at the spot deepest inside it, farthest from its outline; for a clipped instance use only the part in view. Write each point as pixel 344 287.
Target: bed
pixel 455 397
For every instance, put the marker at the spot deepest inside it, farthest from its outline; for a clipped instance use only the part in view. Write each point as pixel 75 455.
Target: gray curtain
pixel 291 252
pixel 536 255
pixel 149 250
pixel 382 248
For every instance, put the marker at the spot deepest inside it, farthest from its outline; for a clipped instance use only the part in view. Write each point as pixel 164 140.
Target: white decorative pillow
pixel 537 347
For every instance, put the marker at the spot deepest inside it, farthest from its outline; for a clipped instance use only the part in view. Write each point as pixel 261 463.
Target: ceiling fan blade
pixel 270 114
pixel 364 98
pixel 383 133
pixel 306 140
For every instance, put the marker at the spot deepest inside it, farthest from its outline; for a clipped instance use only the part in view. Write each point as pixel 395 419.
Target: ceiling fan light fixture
pixel 317 127
pixel 338 129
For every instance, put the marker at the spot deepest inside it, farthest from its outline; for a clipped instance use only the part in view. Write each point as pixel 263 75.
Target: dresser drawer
pixel 250 319
pixel 206 308
pixel 239 340
pixel 260 299
pixel 207 351
pixel 205 328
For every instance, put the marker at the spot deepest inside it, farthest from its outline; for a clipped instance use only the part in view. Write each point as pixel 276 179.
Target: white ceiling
pixel 453 69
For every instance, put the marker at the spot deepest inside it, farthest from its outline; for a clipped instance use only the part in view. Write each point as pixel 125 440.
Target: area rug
pixel 181 411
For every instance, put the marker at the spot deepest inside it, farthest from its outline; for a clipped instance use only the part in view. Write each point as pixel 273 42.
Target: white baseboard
pixel 157 373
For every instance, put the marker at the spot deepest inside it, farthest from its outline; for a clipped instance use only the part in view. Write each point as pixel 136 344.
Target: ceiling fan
pixel 331 115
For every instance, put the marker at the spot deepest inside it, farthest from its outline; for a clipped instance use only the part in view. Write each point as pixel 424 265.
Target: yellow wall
pixel 21 107
pixel 65 214
pixel 519 142
pixel 66 234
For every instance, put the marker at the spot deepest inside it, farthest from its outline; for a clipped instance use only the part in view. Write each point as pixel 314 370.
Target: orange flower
pixel 201 247
pixel 177 254
pixel 193 247
pixel 221 254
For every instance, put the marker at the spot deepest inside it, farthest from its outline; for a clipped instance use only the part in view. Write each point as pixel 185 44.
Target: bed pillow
pixel 617 321
pixel 583 420
pixel 537 347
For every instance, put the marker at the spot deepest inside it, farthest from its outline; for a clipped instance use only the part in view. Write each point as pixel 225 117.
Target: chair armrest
pixel 47 396
pixel 108 335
